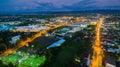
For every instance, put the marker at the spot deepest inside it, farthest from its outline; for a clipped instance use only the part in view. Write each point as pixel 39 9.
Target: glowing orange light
pixel 97 50
pixel 22 43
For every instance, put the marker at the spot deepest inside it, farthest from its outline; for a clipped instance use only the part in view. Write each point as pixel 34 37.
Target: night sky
pixel 56 5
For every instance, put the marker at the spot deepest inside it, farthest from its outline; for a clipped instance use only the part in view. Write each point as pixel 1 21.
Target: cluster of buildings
pixel 14 39
pixel 51 40
pixel 30 28
pixel 78 23
pixel 111 37
pixel 10 23
pixel 70 29
pixel 111 42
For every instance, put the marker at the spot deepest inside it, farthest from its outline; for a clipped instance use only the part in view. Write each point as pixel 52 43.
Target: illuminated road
pixel 22 43
pixel 97 56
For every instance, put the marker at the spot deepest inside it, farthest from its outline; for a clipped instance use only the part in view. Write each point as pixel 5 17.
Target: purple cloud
pixel 39 5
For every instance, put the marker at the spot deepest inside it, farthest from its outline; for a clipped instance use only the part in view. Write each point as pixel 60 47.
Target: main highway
pixel 22 43
pixel 97 57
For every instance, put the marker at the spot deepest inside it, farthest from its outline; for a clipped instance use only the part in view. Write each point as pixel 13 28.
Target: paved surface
pixel 97 57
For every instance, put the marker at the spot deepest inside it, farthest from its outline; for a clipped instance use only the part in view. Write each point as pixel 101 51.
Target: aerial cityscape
pixel 58 33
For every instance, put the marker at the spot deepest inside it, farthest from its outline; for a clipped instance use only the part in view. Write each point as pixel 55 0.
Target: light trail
pixel 22 43
pixel 97 57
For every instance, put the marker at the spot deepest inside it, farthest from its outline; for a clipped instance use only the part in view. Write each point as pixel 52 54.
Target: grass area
pixel 33 62
pixel 24 60
pixel 65 55
pixel 11 58
pixel 119 59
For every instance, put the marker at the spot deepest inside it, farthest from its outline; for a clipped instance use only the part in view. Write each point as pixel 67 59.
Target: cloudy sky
pixel 56 5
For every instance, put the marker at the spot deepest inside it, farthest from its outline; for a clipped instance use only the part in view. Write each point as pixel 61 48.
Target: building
pixel 110 62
